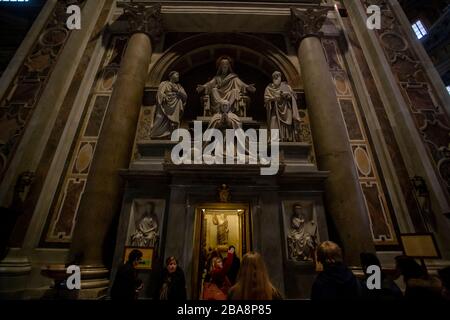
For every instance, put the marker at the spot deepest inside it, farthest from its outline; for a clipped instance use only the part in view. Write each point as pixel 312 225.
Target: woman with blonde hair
pixel 253 281
pixel 218 284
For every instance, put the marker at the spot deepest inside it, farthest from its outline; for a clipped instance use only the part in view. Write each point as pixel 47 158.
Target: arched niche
pixel 195 59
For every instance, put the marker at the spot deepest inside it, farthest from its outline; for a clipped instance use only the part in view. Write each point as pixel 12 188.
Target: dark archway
pixel 242 48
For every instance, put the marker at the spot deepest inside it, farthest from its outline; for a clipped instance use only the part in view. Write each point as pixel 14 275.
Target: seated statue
pixel 146 234
pixel 170 102
pixel 282 112
pixel 302 237
pixel 225 96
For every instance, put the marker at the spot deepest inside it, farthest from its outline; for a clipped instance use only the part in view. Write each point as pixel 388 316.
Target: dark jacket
pixel 336 282
pixel 174 283
pixel 126 283
pixel 234 269
pixel 389 290
pixel 426 288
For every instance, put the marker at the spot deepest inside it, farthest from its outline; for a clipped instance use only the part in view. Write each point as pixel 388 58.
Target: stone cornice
pixel 222 16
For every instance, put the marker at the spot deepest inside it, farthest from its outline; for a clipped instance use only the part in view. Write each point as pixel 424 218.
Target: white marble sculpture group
pixel 225 102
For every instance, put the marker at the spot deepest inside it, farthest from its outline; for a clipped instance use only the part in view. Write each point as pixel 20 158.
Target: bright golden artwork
pixel 219 226
pixel 420 245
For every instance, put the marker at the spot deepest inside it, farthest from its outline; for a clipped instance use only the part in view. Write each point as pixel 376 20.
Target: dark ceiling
pixel 16 19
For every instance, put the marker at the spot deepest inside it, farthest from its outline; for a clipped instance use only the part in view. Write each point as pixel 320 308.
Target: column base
pixel 94 282
pixel 14 273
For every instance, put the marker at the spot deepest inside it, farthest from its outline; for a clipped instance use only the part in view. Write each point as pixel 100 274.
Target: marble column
pixel 101 201
pixel 343 194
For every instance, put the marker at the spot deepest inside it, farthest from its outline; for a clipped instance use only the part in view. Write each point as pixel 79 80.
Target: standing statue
pixel 224 96
pixel 170 101
pixel 220 220
pixel 302 238
pixel 282 112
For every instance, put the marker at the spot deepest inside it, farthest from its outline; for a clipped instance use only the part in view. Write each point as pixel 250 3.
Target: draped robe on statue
pixel 225 93
pixel 169 109
pixel 302 239
pixel 282 111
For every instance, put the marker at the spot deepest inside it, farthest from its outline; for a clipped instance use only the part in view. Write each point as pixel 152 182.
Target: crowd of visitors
pixel 229 278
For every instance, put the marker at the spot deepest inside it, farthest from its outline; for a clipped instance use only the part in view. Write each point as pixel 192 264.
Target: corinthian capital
pixel 144 18
pixel 307 23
